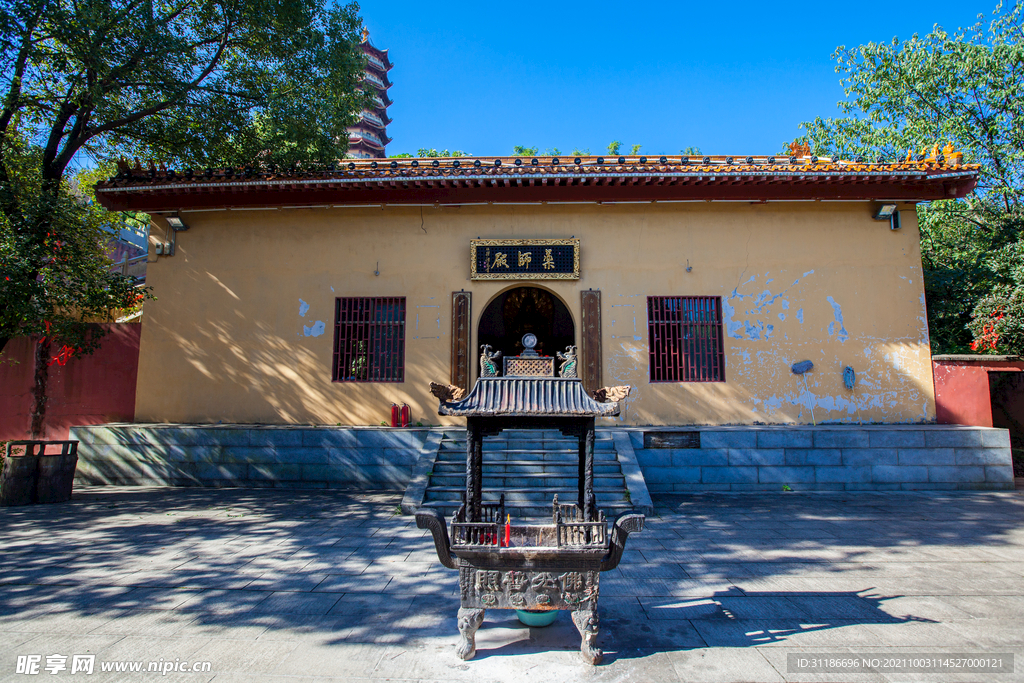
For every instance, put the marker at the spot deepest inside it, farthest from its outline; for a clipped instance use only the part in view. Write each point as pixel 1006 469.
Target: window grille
pixel 685 335
pixel 369 339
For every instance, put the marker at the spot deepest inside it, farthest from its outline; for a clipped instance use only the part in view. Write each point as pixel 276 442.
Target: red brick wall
pixel 90 390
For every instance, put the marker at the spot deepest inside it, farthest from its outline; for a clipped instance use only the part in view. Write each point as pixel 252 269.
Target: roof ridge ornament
pixel 799 149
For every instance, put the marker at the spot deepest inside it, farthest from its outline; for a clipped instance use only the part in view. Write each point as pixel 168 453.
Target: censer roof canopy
pixel 529 396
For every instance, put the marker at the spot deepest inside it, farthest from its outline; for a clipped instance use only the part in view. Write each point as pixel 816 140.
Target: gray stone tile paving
pixel 303 586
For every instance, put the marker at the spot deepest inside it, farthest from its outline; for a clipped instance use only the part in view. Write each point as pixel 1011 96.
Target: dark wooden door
pixel 590 339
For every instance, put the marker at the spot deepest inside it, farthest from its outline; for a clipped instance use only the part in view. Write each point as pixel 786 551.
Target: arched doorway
pixel 517 311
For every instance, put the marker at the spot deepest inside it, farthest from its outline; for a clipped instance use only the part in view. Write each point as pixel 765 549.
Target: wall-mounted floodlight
pixel 884 212
pixel 176 223
pixel 888 212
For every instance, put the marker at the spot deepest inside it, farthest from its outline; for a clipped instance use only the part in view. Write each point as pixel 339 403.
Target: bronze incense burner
pixel 534 565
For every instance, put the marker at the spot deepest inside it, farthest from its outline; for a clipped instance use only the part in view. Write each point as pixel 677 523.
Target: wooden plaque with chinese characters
pixel 462 355
pixel 590 338
pixel 527 259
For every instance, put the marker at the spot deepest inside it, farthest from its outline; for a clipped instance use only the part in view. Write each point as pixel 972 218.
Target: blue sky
pixel 727 77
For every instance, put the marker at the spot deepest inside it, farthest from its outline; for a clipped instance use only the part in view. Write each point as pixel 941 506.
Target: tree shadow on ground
pixel 343 567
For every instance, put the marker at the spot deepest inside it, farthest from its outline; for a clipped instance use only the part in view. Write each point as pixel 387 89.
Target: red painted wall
pixel 90 390
pixel 962 394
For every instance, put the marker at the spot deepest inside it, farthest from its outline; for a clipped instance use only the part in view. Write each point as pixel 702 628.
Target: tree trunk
pixel 42 355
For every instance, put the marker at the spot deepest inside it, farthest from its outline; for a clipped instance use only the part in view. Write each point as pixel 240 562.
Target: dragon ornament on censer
pixel 535 565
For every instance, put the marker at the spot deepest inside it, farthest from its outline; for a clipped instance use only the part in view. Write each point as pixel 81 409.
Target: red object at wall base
pixel 395 415
pixel 405 415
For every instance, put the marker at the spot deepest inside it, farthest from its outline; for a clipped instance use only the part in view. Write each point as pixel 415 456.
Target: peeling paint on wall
pixel 303 307
pixel 732 328
pixel 316 330
pixel 925 339
pixel 754 329
pixel 759 363
pixel 838 312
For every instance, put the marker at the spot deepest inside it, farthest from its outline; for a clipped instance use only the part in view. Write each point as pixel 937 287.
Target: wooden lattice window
pixel 369 339
pixel 685 334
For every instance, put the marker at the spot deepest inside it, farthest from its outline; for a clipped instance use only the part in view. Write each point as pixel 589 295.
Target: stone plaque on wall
pixel 672 439
pixel 526 259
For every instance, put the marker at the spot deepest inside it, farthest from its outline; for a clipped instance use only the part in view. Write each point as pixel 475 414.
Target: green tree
pixel 552 152
pixel 433 153
pixel 521 151
pixel 577 152
pixel 62 282
pixel 190 82
pixel 690 152
pixel 613 147
pixel 966 89
pixel 634 150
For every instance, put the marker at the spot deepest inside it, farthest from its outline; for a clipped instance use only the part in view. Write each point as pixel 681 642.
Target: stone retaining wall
pixel 247 455
pixel 829 458
pixel 746 458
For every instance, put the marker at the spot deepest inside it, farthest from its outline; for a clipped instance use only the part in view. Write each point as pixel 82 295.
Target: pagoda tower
pixel 368 136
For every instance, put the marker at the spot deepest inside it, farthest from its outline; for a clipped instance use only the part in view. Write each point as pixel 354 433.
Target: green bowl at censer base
pixel 537 617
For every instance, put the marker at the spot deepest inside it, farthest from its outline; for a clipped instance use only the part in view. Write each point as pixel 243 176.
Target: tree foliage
pixel 55 285
pixel 188 82
pixel 967 89
pixel 185 82
pixel 432 153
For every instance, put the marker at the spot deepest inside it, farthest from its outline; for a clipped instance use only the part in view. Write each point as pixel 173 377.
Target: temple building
pixel 698 281
pixel 368 136
pixel 768 314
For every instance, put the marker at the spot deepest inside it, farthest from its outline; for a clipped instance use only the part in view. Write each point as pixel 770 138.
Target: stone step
pixel 531 445
pixel 499 456
pixel 533 495
pixel 527 467
pixel 497 481
pixel 528 434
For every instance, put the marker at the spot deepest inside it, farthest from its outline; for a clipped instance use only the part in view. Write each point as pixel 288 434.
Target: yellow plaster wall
pixel 816 281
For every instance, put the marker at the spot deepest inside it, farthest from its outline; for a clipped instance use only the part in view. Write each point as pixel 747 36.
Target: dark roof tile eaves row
pixel 781 175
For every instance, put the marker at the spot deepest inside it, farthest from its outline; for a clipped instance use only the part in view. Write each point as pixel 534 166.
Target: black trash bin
pixel 38 472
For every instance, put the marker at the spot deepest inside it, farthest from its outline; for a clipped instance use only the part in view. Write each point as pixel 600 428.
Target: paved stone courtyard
pixel 280 585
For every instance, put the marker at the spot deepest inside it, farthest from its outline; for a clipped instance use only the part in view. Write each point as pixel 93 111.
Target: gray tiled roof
pixel 534 396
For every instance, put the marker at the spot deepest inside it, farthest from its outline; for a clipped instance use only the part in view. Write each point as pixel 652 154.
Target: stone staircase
pixel 529 467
